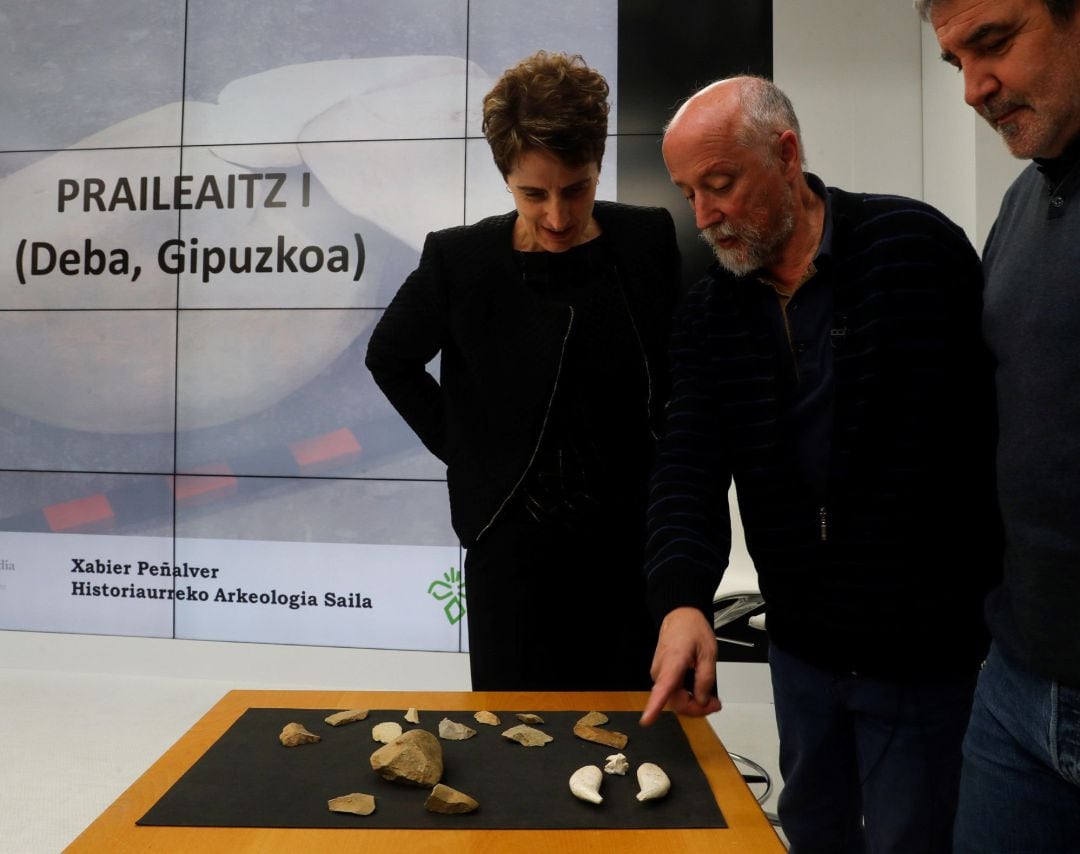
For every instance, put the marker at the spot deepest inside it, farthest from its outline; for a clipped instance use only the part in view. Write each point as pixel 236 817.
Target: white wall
pixel 238 665
pixel 880 111
pixel 852 70
pixel 948 138
pixel 966 166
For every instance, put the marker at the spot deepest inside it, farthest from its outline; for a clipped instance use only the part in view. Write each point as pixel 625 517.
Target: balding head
pixel 716 104
pixel 751 110
pixel 734 152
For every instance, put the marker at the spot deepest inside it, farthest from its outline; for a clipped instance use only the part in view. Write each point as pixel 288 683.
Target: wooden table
pixel 115 829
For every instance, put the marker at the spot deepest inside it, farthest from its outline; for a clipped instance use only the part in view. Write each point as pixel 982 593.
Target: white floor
pixel 75 741
pixel 749 729
pixel 78 729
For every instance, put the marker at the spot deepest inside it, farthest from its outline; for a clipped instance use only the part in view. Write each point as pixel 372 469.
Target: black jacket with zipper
pixel 886 573
pixel 502 348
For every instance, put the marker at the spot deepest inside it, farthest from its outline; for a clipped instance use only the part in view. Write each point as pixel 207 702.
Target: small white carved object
pixel 617 764
pixel 585 784
pixel 412 716
pixel 653 782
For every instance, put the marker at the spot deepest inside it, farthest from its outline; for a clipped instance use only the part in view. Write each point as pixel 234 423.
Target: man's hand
pixel 686 643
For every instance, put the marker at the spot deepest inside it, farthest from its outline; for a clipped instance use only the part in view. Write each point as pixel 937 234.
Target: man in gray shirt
pixel 1020 784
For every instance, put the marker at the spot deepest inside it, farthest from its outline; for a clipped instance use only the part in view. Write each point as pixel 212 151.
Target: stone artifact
pixel 453 731
pixel 652 780
pixel 412 716
pixel 342 718
pixel 386 732
pixel 593 719
pixel 415 757
pixel 609 738
pixel 585 784
pixel 489 718
pixel 357 803
pixel 617 764
pixel 527 736
pixel 529 718
pixel 294 735
pixel 449 801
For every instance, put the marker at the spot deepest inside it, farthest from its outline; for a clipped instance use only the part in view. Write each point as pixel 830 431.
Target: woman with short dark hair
pixel 551 322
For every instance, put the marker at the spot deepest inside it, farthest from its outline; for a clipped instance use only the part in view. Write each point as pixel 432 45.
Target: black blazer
pixel 502 348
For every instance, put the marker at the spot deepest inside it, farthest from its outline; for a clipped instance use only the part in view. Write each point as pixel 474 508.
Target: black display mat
pixel 248 779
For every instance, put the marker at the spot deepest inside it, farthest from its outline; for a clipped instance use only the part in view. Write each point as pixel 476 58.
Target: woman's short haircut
pixel 549 102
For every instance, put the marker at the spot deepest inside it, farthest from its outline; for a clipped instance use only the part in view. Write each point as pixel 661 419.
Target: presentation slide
pixel 204 209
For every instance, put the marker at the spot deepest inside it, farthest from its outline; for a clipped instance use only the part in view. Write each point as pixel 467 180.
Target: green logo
pixel 451 589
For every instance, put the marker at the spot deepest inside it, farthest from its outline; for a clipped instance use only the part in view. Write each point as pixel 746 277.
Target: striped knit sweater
pixel 885 574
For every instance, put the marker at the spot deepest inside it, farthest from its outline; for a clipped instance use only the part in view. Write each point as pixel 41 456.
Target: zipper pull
pixel 823 523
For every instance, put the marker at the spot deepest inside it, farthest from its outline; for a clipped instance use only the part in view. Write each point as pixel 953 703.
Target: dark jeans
pixel 554 609
pixel 1020 784
pixel 869 765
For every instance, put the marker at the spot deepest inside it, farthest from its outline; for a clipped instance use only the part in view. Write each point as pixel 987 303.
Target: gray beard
pixel 757 248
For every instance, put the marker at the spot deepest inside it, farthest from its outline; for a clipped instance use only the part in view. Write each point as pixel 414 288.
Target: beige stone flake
pixel 449 801
pixel 489 718
pixel 357 803
pixel 609 738
pixel 453 731
pixel 593 719
pixel 348 717
pixel 416 758
pixel 386 732
pixel 294 734
pixel 527 736
pixel 412 716
pixel 529 718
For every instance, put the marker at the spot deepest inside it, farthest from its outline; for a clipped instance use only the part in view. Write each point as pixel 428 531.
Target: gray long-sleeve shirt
pixel 1032 325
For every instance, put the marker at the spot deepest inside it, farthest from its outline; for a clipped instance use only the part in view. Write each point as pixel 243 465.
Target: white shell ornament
pixel 652 780
pixel 585 784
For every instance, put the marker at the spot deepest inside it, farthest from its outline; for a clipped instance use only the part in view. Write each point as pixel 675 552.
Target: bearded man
pixel 830 362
